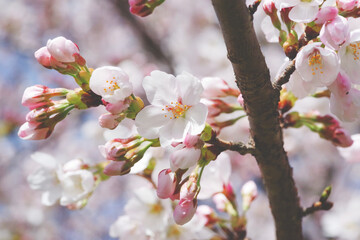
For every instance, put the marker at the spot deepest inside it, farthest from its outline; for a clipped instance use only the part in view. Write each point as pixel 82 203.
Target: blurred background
pixel 179 36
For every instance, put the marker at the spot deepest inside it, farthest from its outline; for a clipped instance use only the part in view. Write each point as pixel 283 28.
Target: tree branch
pixel 237 147
pixel 149 43
pixel 317 206
pixel 261 99
pixel 285 75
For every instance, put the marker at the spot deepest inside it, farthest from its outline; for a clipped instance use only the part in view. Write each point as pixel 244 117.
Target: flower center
pixel 175 111
pixel 156 208
pixel 355 50
pixel 173 231
pixel 111 85
pixel 315 62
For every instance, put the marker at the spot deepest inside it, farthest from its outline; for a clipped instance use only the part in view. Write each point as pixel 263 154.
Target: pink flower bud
pixel 115 168
pixel 189 189
pixel 35 95
pixel 229 192
pixel 335 33
pixel 39 96
pixel 118 107
pixel 346 5
pixel 108 120
pixel 62 49
pixel 326 14
pixel 269 7
pixel 342 138
pixel 249 193
pixel 141 8
pixel 184 211
pixel 166 184
pixel 33 131
pixel 113 150
pixel 220 201
pixel 43 57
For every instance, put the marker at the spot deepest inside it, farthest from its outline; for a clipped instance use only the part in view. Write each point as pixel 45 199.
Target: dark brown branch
pixel 261 100
pixel 285 75
pixel 149 43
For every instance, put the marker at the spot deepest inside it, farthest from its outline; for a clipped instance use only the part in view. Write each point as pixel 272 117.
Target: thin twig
pixel 317 207
pixel 285 75
pixel 237 147
pixel 253 7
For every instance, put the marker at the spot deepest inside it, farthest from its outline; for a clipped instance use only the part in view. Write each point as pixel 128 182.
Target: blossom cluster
pixel 184 116
pixel 323 38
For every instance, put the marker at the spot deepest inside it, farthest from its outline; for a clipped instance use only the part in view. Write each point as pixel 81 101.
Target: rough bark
pixel 261 99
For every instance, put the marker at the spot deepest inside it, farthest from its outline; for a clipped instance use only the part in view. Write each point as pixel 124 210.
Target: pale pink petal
pixel 190 88
pixel 160 88
pixel 303 13
pixel 149 121
pixel 174 130
pixel 196 115
pixel 184 158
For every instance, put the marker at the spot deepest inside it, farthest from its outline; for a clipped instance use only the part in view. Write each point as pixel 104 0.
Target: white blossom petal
pixel 303 13
pixel 174 131
pixel 149 121
pixel 160 88
pixel 196 115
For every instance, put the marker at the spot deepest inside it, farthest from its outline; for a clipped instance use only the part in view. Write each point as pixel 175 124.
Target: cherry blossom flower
pixel 317 66
pixel 147 208
pixel 68 183
pixel 335 33
pixel 175 108
pixel 45 178
pixel 76 185
pixel 111 83
pixel 350 57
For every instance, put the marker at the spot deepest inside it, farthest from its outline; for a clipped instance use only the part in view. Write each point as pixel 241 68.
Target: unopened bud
pixel 249 193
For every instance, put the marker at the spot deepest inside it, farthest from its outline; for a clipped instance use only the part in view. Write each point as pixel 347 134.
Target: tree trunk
pixel 261 100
